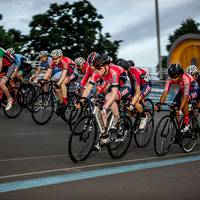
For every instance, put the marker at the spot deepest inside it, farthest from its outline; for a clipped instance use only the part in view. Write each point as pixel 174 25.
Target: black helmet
pixel 131 63
pixel 91 57
pixel 101 60
pixel 175 70
pixel 123 63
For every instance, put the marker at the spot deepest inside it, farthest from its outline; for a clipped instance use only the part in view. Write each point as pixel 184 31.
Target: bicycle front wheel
pixel 82 139
pixel 118 147
pixel 42 108
pixel 164 136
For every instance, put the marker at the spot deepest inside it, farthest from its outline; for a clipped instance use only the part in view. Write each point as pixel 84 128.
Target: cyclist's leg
pixel 145 90
pixel 4 87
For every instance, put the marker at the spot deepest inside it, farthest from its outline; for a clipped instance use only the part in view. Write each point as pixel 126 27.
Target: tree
pixel 75 28
pixel 187 26
pixel 11 38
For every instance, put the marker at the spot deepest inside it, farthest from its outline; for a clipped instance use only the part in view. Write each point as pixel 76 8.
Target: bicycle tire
pixel 164 131
pixel 83 140
pixel 117 149
pixel 143 137
pixel 39 104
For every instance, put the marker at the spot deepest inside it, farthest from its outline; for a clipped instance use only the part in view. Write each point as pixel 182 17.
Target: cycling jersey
pixel 84 68
pixel 186 83
pixel 46 64
pixel 88 74
pixel 112 77
pixel 64 64
pixel 8 60
pixel 138 76
pixel 198 78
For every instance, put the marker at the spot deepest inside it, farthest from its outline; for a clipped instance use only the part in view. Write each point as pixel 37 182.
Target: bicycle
pixel 168 131
pixel 142 137
pixel 46 103
pixel 88 130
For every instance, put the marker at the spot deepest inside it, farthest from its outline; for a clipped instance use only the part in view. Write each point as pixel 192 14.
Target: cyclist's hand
pixel 157 107
pixel 131 107
pixel 78 105
pixel 180 112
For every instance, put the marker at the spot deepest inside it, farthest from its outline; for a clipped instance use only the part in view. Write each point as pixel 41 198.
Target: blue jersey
pixel 45 65
pixel 20 61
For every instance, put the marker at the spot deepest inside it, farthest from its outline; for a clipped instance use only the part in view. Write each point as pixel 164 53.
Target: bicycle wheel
pixel 76 114
pixel 30 97
pixel 17 107
pixel 149 105
pixel 42 108
pixel 164 136
pixel 143 137
pixel 118 147
pixel 188 140
pixel 82 139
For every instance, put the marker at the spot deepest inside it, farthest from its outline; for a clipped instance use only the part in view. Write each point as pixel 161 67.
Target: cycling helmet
pixel 131 63
pixel 60 52
pixel 56 53
pixel 43 53
pixel 123 63
pixel 91 57
pixel 175 70
pixel 192 69
pixel 11 51
pixel 101 60
pixel 79 61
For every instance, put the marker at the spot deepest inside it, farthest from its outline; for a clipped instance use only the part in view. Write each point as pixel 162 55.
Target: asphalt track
pixel 34 164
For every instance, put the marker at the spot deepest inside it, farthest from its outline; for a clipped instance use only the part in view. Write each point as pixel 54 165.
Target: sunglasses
pixel 55 58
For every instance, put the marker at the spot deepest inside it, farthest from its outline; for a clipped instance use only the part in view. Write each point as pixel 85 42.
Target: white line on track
pixel 96 165
pixel 32 158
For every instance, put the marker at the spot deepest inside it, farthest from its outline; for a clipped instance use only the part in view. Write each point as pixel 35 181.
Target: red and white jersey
pixel 112 77
pixel 185 83
pixel 64 64
pixel 88 74
pixel 139 76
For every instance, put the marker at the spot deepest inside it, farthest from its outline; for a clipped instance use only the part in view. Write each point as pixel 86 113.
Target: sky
pixel 132 21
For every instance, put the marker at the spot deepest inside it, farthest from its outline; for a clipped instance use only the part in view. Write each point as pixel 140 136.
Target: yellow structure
pixel 185 51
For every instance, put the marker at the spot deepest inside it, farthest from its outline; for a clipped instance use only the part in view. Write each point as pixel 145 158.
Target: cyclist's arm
pixel 64 73
pixel 136 95
pixel 48 74
pixel 87 90
pixel 1 64
pixel 163 97
pixel 37 71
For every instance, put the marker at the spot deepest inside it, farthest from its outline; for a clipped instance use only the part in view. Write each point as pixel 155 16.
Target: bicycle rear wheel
pixel 164 136
pixel 118 147
pixel 188 140
pixel 82 139
pixel 42 108
pixel 143 137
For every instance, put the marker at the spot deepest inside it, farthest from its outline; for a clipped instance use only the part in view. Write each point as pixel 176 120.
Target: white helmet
pixel 43 53
pixel 56 53
pixel 192 69
pixel 79 61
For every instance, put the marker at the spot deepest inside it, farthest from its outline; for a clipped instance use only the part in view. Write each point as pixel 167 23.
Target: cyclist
pixel 23 67
pixel 7 66
pixel 68 75
pixel 81 64
pixel 193 70
pixel 89 69
pixel 44 64
pixel 109 73
pixel 141 87
pixel 186 92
